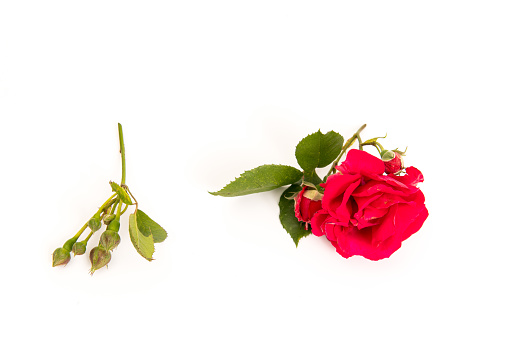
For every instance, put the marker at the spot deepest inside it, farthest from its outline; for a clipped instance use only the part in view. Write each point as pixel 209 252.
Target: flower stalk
pixel 346 146
pixel 122 152
pixel 109 214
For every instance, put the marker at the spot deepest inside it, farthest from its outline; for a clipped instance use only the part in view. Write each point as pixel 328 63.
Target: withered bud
pixel 109 240
pixel 99 257
pixel 61 256
pixel 79 248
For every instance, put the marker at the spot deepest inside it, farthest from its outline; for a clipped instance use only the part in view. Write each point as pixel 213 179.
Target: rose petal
pixel 333 196
pixel 387 200
pixel 412 177
pixel 353 241
pixel 416 224
pixel 340 250
pixel 386 248
pixel 409 212
pixel 375 187
pixel 358 161
pixel 363 202
pixel 317 227
pixel 410 180
pixel 329 230
pixel 344 211
pixel 387 227
pixel 370 217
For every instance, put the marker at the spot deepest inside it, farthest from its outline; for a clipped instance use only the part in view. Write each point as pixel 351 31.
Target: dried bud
pixel 393 162
pixel 61 256
pixel 79 248
pixel 109 240
pixel 99 257
pixel 94 223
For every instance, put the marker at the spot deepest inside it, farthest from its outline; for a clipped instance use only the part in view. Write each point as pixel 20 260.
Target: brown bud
pixel 61 256
pixel 99 257
pixel 109 240
pixel 79 248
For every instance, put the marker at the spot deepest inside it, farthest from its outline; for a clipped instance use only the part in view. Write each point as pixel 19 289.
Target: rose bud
pixel 94 223
pixel 307 203
pixel 61 256
pixel 108 218
pixel 79 248
pixel 109 240
pixel 393 162
pixel 99 257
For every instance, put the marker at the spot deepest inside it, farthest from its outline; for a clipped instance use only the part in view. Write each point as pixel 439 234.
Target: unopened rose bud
pixel 114 225
pixel 99 257
pixel 393 162
pixel 61 256
pixel 307 203
pixel 108 218
pixel 79 248
pixel 109 240
pixel 94 223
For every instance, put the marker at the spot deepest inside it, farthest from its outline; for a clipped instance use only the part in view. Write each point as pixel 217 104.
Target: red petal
pixel 387 227
pixel 370 217
pixel 375 187
pixel 361 162
pixel 317 227
pixel 416 224
pixel 337 192
pixel 412 177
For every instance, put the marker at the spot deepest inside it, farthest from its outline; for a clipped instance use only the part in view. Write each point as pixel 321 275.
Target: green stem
pixel 81 231
pixel 88 237
pixel 114 206
pixel 105 205
pixel 346 146
pixel 119 210
pixel 108 203
pixel 360 141
pixel 122 152
pixel 379 147
pixel 135 201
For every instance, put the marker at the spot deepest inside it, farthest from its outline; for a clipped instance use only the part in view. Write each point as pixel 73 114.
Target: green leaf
pixel 149 227
pixel 318 150
pixel 122 194
pixel 312 178
pixel 261 179
pixel 292 192
pixel 290 223
pixel 143 244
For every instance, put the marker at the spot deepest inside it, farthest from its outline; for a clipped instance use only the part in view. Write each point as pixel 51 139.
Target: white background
pixel 206 90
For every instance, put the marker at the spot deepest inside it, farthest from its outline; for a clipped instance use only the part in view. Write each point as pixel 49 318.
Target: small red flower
pixel 395 164
pixel 307 203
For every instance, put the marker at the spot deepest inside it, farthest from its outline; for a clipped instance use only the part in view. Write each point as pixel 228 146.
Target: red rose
pixel 367 213
pixel 307 203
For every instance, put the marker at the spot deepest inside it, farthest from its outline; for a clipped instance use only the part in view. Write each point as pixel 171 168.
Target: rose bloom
pixel 367 213
pixel 307 203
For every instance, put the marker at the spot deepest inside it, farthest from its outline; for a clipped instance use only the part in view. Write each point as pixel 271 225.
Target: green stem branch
pixel 88 236
pixel 119 209
pixel 346 146
pixel 81 231
pixel 107 204
pixel 122 152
